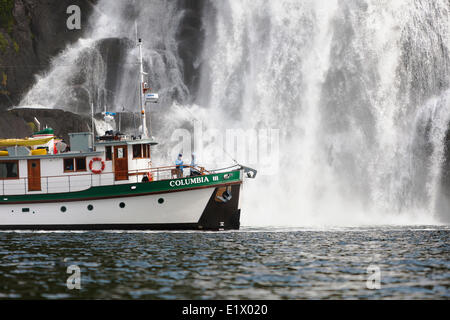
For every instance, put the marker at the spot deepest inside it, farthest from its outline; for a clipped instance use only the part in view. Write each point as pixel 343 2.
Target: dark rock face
pixel 13 126
pixel 17 123
pixel 14 123
pixel 443 201
pixel 114 52
pixel 33 34
pixel 98 76
pixel 190 38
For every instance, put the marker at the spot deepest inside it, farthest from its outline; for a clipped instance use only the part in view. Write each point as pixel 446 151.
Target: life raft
pixel 96 171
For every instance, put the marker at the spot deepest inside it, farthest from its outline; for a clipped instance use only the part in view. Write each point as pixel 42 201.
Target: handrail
pixel 74 173
pixel 58 185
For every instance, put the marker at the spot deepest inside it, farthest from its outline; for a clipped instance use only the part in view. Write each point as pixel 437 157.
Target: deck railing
pixel 82 181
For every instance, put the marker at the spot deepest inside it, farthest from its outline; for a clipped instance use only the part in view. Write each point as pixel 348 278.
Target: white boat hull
pixel 191 209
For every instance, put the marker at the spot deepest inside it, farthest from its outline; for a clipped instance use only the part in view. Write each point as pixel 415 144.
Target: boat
pixel 109 183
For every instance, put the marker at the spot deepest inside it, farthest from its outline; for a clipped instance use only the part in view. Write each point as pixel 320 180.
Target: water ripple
pixel 249 264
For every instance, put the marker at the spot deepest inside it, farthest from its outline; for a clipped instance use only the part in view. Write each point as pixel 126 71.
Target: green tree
pixel 6 15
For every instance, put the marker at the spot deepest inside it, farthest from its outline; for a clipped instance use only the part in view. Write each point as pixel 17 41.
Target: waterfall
pixel 101 67
pixel 357 92
pixel 350 85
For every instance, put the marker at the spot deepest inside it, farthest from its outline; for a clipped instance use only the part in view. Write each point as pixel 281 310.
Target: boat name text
pixel 186 182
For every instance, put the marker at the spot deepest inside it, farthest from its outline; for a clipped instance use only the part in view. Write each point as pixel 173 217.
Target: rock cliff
pixel 32 32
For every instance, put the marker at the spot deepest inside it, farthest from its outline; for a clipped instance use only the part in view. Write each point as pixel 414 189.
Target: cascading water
pixel 83 73
pixel 358 91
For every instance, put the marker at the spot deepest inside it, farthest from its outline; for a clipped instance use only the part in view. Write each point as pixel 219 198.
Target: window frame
pixel 124 149
pixel 74 164
pixel 18 169
pixel 110 153
pixel 140 156
pixel 145 151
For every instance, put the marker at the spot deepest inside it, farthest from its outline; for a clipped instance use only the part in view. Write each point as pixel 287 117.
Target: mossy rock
pixel 6 15
pixel 32 126
pixel 4 44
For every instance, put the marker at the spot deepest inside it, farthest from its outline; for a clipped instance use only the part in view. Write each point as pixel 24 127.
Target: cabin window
pixel 9 169
pixel 137 151
pixel 74 164
pixel 108 153
pixel 120 153
pixel 80 164
pixel 141 151
pixel 68 165
pixel 146 151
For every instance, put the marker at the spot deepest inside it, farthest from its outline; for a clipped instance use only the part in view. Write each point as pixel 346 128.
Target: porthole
pixel 122 205
pixel 90 207
pixel 63 209
pixel 160 200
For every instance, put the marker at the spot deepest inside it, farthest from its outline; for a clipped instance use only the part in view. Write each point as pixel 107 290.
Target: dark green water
pixel 414 263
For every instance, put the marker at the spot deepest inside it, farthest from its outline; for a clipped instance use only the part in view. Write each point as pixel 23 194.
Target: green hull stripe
pixel 126 189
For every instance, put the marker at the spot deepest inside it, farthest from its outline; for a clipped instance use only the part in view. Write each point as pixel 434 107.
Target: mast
pixel 92 125
pixel 141 88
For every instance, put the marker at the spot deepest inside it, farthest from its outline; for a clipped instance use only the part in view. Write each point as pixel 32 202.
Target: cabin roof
pixel 128 142
pixel 69 154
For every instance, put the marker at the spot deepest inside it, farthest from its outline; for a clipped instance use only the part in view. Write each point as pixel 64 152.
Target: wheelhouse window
pixel 75 164
pixel 137 151
pixel 108 153
pixel 9 169
pixel 146 149
pixel 141 151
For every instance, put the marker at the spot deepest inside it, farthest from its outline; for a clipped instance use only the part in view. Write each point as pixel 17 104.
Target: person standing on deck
pixel 194 170
pixel 179 164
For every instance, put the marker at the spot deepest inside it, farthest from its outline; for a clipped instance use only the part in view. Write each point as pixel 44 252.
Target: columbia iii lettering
pixel 189 181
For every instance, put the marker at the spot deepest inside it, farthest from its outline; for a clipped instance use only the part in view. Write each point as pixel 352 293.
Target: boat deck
pixel 85 181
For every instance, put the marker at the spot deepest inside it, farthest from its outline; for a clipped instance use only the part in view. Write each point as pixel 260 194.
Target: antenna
pixel 136 30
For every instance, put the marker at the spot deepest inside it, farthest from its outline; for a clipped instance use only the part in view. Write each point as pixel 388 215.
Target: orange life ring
pixel 95 160
pixel 150 176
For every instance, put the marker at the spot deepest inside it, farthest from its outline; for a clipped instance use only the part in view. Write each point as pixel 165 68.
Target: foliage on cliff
pixel 32 32
pixel 6 14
